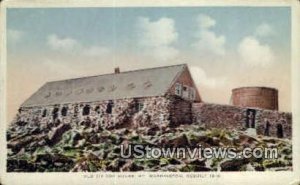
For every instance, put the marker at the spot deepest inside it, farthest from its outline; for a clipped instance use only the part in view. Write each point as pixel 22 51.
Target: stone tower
pixel 257 97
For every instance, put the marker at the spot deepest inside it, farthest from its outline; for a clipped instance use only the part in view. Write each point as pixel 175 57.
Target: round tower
pixel 259 97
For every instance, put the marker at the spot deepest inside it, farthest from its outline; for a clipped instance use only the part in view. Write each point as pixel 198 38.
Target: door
pixel 250 118
pixel 279 130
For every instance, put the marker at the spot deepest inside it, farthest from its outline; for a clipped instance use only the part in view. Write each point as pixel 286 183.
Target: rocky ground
pixel 65 148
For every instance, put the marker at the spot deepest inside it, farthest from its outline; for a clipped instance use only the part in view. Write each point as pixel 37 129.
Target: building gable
pixel 184 86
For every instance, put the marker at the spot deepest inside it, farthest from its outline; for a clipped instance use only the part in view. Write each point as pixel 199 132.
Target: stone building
pixel 163 96
pixel 262 97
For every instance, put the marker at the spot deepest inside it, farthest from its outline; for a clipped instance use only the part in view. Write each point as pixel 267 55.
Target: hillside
pixel 65 148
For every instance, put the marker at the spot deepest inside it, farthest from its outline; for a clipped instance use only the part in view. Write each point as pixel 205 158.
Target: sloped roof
pixel 130 84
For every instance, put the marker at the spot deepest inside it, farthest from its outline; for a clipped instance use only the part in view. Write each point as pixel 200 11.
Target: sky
pixel 224 47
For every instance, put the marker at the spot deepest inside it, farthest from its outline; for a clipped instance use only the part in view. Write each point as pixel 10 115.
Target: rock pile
pixel 79 148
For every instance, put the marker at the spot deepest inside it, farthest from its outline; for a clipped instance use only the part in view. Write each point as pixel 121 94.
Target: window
pixel 139 106
pixel 112 88
pixel 147 84
pixel 97 109
pixel 109 107
pixel 185 91
pixel 89 90
pixel 178 89
pixel 58 93
pixel 44 113
pixel 192 94
pixel 100 89
pixel 55 113
pixel 47 95
pixel 79 91
pixel 131 86
pixel 76 110
pixel 69 92
pixel 64 111
pixel 86 110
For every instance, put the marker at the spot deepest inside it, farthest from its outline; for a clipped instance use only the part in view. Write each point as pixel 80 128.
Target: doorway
pixel 250 118
pixel 267 128
pixel 279 130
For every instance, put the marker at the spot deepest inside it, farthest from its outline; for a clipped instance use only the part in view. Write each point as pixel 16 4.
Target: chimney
pixel 117 70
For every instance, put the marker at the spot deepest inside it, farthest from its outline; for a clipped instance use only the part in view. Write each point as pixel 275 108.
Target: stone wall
pixel 180 111
pixel 233 117
pixel 96 115
pixel 124 113
pixel 160 111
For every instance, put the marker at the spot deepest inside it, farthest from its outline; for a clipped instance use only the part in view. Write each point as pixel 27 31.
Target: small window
pixel 112 88
pixel 192 93
pixel 97 109
pixel 44 113
pixel 147 84
pixel 55 113
pixel 178 89
pixel 185 88
pixel 69 92
pixel 139 106
pixel 86 110
pixel 109 107
pixel 76 110
pixel 58 93
pixel 131 86
pixel 100 89
pixel 79 91
pixel 47 95
pixel 89 90
pixel 64 111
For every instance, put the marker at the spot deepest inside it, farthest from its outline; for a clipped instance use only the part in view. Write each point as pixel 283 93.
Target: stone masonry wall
pixel 180 111
pixel 233 117
pixel 124 113
pixel 160 111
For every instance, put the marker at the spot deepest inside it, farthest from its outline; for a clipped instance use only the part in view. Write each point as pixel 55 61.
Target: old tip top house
pixel 155 96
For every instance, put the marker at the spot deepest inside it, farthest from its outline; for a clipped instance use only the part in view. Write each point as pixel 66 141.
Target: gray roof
pixel 130 84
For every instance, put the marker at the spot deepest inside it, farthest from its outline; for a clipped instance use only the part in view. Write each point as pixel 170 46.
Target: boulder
pixel 20 165
pixel 56 135
pixel 194 168
pixel 116 165
pixel 17 145
pixel 130 165
pixel 233 165
pixel 197 162
pixel 180 141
